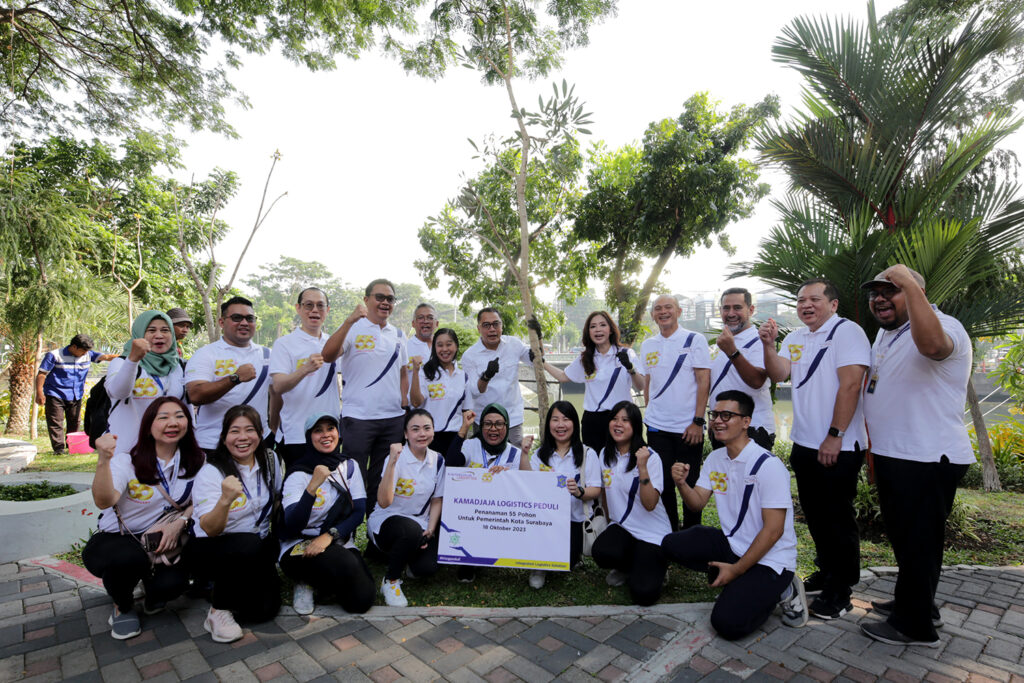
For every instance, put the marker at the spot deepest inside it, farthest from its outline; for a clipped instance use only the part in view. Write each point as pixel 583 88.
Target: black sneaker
pixel 883 608
pixel 829 607
pixel 466 574
pixel 814 583
pixel 885 632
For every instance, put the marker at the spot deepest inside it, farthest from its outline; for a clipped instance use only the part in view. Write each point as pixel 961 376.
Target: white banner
pixel 509 519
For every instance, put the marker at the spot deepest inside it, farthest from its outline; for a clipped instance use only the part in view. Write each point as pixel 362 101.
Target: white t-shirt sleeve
pixel 206 490
pixel 439 481
pixel 784 348
pixel 280 359
pixel 851 345
pixel 355 483
pixel 524 351
pixel 591 469
pixel 654 471
pixel 643 360
pixel 293 488
pixel 957 333
pixel 574 370
pixel 200 367
pixel 639 367
pixel 403 352
pixel 773 485
pixel 700 357
pixel 755 354
pixel 704 478
pixel 121 471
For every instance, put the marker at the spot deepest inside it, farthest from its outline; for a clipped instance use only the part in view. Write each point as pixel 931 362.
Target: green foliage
pixel 681 187
pixel 467 334
pixel 43 490
pixel 1007 440
pixel 960 524
pixel 1009 374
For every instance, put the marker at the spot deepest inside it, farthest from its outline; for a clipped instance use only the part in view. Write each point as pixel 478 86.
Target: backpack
pixel 98 407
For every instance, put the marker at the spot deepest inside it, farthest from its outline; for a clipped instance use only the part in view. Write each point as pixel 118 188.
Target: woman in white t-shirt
pixel 149 369
pixel 607 372
pixel 562 451
pixel 133 490
pixel 631 544
pixel 440 387
pixel 404 523
pixel 235 494
pixel 324 502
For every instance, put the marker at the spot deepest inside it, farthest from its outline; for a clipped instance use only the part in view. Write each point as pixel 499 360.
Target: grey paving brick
pixel 236 671
pixel 351 674
pixel 491 660
pixel 413 669
pixel 379 658
pixel 527 670
pixel 121 671
pixel 78 662
pixel 303 667
pixel 597 659
pixel 11 667
pixel 190 664
pixel 454 662
pixel 464 676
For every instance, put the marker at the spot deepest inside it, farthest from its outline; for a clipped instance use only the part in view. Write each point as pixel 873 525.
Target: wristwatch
pixel 645 480
pixel 234 378
pixel 732 356
pixel 832 431
pixel 698 420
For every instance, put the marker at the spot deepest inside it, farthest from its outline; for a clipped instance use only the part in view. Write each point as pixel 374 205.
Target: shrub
pixel 869 514
pixel 1008 452
pixel 35 491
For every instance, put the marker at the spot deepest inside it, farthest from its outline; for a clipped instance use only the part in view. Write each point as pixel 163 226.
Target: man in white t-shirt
pixel 424 323
pixel 913 403
pixel 737 362
pixel 677 364
pixel 375 384
pixel 305 384
pixel 753 555
pixel 826 361
pixel 228 372
pixel 492 365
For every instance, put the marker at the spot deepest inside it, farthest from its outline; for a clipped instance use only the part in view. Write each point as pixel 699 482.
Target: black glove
pixel 534 325
pixel 491 371
pixel 533 356
pixel 623 356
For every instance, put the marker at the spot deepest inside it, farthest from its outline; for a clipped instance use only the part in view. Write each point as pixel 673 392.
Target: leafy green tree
pixel 682 186
pixel 124 62
pixel 870 185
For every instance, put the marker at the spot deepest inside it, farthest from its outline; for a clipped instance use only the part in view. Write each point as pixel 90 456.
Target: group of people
pixel 245 454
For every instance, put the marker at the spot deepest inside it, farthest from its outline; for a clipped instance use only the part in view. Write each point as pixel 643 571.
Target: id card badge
pixel 871 384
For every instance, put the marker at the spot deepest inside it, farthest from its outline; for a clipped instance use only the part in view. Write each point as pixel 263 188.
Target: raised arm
pixel 696 497
pixel 103 492
pixel 925 328
pixel 336 343
pixel 776 366
pixel 386 489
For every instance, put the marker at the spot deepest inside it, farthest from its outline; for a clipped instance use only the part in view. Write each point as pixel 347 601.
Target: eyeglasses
pixel 726 415
pixel 493 425
pixel 888 293
pixel 425 318
pixel 495 325
pixel 309 306
pixel 390 298
pixel 238 317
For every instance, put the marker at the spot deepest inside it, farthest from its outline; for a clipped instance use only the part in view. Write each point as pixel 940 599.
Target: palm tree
pixel 881 173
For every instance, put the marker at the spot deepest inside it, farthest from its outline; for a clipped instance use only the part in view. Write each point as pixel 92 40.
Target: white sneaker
pixel 222 626
pixel 537 578
pixel 393 594
pixel 302 599
pixel 794 607
pixel 616 578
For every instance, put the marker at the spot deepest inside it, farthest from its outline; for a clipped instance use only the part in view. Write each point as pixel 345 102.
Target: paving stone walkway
pixel 53 627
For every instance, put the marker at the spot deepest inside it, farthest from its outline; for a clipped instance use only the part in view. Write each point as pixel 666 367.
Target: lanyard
pixel 174 474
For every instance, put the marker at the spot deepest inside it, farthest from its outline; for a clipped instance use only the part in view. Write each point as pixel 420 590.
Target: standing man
pixel 492 365
pixel 182 326
pixel 231 371
pixel 374 382
pixel 914 403
pixel 737 362
pixel 826 361
pixel 424 322
pixel 678 371
pixel 303 383
pixel 60 385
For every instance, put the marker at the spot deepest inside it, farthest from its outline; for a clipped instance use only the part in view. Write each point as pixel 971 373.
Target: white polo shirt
pixel 588 475
pixel 627 510
pixel 314 394
pixel 372 362
pixel 345 475
pixel 671 362
pixel 814 401
pixel 503 388
pixel 212 362
pixel 476 456
pixel 417 482
pixel 142 504
pixel 122 383
pixel 445 397
pixel 724 377
pixel 915 409
pixel 609 383
pixel 414 346
pixel 727 479
pixel 249 513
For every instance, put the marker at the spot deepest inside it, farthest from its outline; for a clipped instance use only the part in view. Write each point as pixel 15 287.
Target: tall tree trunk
pixel 628 336
pixel 22 375
pixel 989 474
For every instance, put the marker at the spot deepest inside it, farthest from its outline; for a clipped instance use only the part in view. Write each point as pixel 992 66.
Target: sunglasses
pixel 886 294
pixel 389 298
pixel 238 317
pixel 309 306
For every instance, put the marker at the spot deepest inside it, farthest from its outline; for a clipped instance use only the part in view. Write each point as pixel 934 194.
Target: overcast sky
pixel 369 152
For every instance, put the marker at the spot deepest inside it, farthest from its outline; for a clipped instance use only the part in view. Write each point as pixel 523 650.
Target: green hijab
pixel 498 448
pixel 156 364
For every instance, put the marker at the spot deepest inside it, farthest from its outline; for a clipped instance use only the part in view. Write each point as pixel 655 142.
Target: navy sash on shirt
pixel 678 365
pixel 331 372
pixel 748 491
pixel 387 367
pixel 820 354
pixel 728 365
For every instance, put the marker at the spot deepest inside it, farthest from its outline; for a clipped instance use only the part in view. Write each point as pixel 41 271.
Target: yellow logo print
pixel 238 502
pixel 606 477
pixel 795 352
pixel 320 499
pixel 591 377
pixel 300 362
pixel 144 387
pixel 435 391
pixel 719 481
pixel 138 491
pixel 545 468
pixel 475 464
pixel 652 358
pixel 223 368
pixel 405 487
pixel 487 477
pixel 365 342
pixel 299 548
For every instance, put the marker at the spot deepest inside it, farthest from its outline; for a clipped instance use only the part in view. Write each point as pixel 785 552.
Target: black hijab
pixel 312 457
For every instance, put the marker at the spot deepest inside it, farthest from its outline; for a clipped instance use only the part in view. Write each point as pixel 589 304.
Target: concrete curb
pixel 15 455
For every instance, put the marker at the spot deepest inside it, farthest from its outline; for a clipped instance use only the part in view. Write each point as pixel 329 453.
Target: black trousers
pixel 369 442
pixel 401 540
pixel 58 412
pixel 243 568
pixel 826 497
pixel 747 601
pixel 121 562
pixel 672 449
pixel 338 571
pixel 644 562
pixel 916 499
pixel 594 426
pixel 760 436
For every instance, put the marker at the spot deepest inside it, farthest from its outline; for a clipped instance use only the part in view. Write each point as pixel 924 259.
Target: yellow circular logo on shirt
pixel 405 487
pixel 435 391
pixel 796 351
pixel 719 481
pixel 223 368
pixel 138 491
pixel 606 477
pixel 652 358
pixel 144 387
pixel 321 498
pixel 365 342
pixel 238 502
